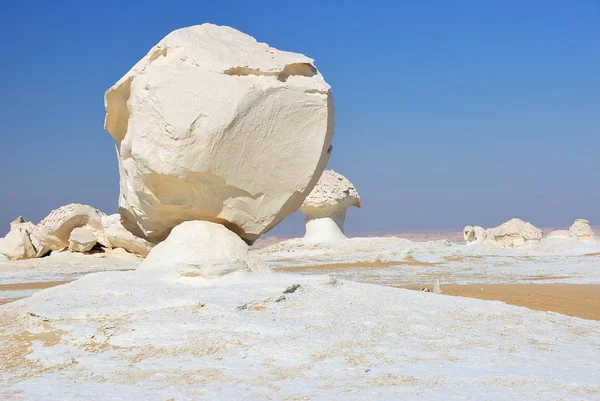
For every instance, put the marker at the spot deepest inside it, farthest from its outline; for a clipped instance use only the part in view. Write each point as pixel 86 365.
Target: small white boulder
pixel 82 239
pixel 325 207
pixel 474 235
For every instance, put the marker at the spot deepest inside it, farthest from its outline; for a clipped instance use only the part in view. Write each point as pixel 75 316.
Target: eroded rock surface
pixel 213 125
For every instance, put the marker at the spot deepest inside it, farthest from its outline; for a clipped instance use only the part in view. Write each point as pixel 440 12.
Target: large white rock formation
pixel 17 243
pixel 213 125
pixel 325 207
pixel 201 249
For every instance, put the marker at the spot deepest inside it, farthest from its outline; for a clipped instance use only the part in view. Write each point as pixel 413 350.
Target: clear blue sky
pixel 448 113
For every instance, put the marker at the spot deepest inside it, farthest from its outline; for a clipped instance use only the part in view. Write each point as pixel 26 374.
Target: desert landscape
pixel 183 294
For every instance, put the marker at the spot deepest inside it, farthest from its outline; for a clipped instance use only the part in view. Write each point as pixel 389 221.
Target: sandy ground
pixel 579 300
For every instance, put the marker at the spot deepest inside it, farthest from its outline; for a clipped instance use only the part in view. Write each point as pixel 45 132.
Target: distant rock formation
pixel 325 207
pixel 583 231
pixel 75 227
pixel 513 233
pixel 213 125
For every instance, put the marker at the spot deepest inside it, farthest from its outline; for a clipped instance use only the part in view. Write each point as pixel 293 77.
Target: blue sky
pixel 448 113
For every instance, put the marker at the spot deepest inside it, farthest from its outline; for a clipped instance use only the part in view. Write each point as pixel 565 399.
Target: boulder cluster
pixel 74 227
pixel 517 233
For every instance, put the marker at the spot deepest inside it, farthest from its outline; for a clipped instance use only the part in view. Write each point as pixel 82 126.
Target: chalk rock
pixel 54 231
pixel 17 245
pixel 213 125
pixel 119 237
pixel 325 207
pixel 516 232
pixel 82 239
pixel 204 249
pixel 474 235
pixel 3 258
pixel 563 234
pixel 582 230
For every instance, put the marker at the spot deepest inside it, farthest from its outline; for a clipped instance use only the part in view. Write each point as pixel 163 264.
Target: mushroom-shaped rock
pixel 325 207
pixel 203 249
pixel 516 232
pixel 17 244
pixel 474 235
pixel 119 237
pixel 213 125
pixel 581 229
pixel 54 231
pixel 82 239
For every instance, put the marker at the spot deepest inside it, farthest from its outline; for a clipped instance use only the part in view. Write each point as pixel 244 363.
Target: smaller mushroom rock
pixel 325 207
pixel 203 249
pixel 82 239
pixel 53 232
pixel 516 232
pixel 474 235
pixel 119 237
pixel 582 230
pixel 17 244
pixel 3 258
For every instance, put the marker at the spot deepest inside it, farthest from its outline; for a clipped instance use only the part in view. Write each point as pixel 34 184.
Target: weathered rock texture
pixel 17 244
pixel 118 237
pixel 54 231
pixel 325 207
pixel 583 231
pixel 212 125
pixel 201 248
pixel 82 239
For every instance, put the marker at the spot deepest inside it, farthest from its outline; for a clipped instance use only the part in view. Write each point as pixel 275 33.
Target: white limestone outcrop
pixel 119 237
pixel 82 239
pixel 513 233
pixel 325 207
pixel 202 249
pixel 213 125
pixel 583 231
pixel 54 231
pixel 17 244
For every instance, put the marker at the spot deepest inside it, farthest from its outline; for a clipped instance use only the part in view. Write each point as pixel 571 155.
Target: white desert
pixel 219 138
